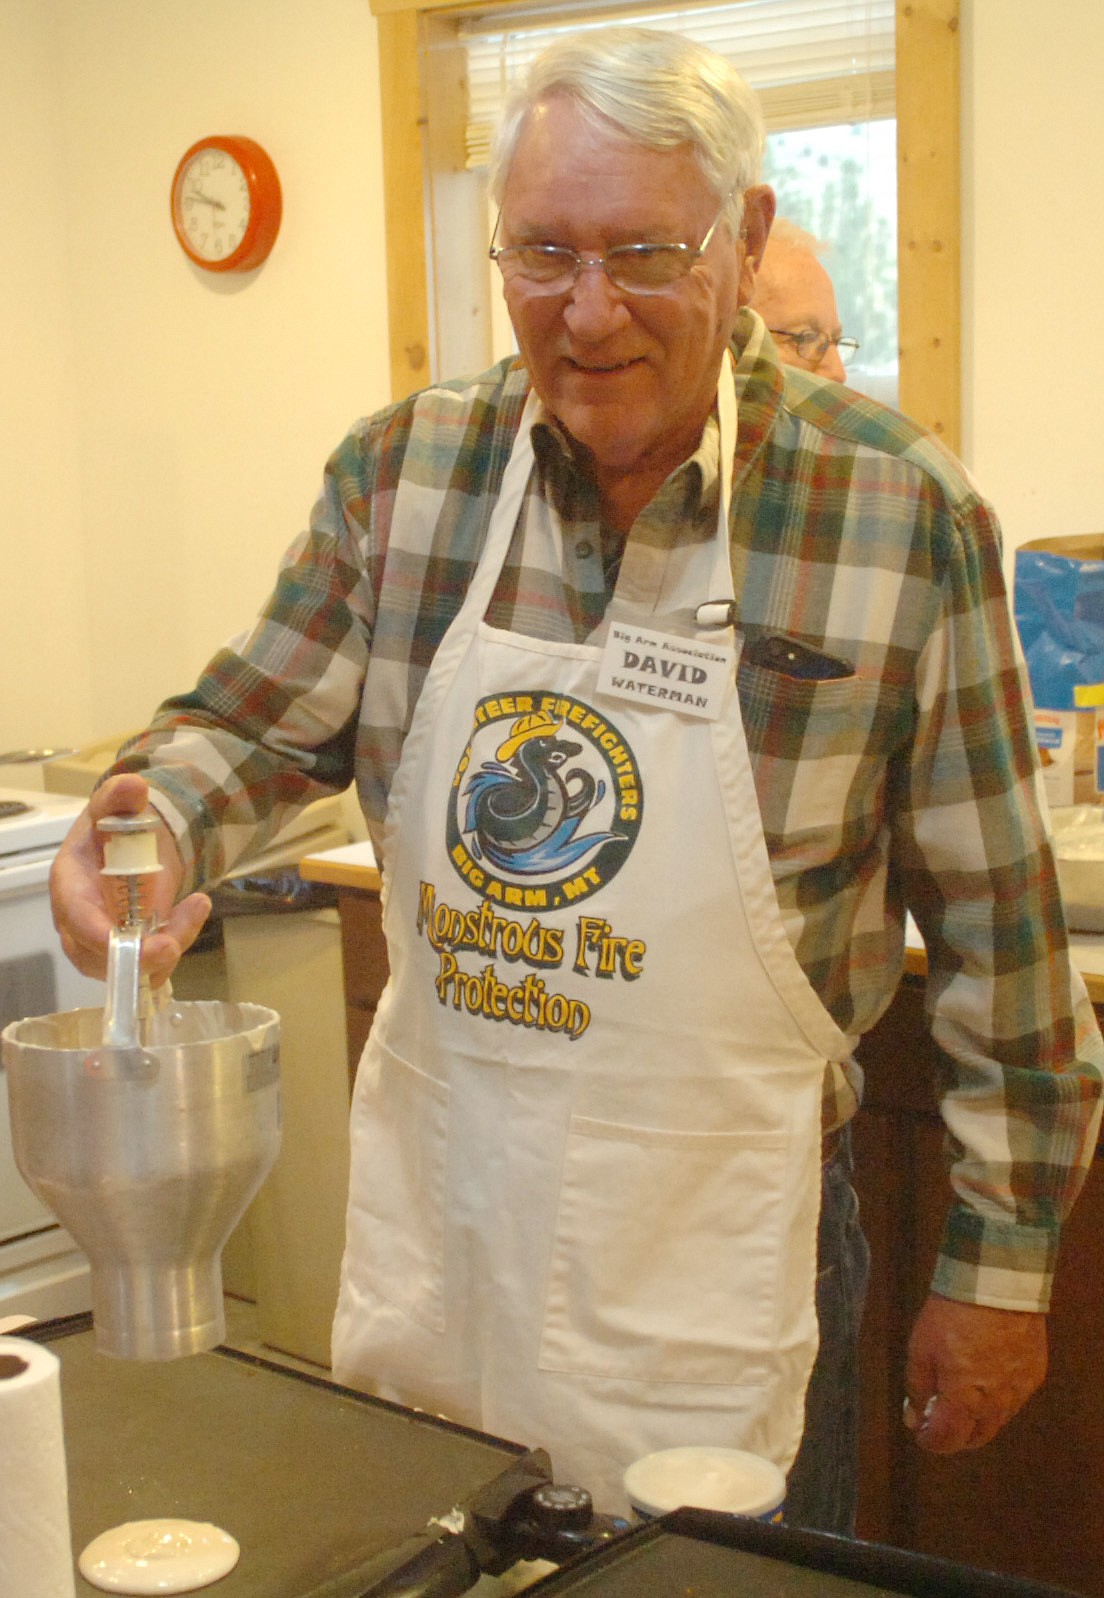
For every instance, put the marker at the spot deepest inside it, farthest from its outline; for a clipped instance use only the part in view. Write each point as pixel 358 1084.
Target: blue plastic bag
pixel 1059 608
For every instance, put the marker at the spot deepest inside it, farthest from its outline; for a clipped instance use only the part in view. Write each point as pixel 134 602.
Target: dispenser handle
pixel 120 1016
pixel 130 863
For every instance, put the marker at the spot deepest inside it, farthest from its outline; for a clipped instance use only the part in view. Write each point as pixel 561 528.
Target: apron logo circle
pixel 546 801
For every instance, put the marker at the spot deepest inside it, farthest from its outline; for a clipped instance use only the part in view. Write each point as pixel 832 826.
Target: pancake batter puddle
pixel 158 1556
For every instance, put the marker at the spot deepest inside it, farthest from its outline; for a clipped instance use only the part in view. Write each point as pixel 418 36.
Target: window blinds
pixel 813 63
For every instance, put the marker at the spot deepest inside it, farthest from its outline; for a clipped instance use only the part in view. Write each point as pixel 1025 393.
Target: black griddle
pixel 697 1553
pixel 322 1486
pixel 315 1481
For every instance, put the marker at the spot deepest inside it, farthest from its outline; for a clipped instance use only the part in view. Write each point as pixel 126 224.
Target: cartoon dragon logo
pixel 525 807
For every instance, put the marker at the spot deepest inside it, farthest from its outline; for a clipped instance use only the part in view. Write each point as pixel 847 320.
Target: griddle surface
pixel 314 1481
pixel 684 1567
pixel 695 1553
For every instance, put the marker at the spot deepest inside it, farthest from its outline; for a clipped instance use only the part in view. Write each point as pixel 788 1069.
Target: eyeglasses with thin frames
pixel 632 268
pixel 813 347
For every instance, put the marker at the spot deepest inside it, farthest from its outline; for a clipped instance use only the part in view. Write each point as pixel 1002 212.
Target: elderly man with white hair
pixel 671 680
pixel 796 298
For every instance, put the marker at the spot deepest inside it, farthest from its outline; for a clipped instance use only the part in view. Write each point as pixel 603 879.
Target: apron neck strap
pixel 671 582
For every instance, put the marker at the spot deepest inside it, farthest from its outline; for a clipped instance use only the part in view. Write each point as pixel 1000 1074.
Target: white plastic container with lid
pixel 726 1479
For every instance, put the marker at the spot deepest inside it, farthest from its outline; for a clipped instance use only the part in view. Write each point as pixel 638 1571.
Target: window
pixel 840 183
pixel 424 63
pixel 811 62
pixel 823 67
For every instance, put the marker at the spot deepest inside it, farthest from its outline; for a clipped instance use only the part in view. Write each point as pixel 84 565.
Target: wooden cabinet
pixel 1031 1503
pixel 364 954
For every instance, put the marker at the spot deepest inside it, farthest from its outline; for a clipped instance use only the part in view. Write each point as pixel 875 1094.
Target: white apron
pixel 586 1130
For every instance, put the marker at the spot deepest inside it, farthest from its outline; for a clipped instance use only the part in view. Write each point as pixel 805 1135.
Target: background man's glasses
pixel 632 268
pixel 813 347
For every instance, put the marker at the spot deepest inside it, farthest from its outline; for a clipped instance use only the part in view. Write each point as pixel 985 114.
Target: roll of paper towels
pixel 36 1556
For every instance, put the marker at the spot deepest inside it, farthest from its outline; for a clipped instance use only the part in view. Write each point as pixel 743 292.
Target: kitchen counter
pixel 354 867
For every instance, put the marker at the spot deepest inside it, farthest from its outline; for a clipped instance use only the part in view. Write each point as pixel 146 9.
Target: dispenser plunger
pixel 130 864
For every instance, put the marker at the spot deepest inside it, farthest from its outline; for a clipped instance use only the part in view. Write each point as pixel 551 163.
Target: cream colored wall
pixel 1033 244
pixel 165 429
pixel 42 550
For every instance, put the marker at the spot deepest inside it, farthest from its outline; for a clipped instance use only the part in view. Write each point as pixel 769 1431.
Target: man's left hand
pixel 970 1368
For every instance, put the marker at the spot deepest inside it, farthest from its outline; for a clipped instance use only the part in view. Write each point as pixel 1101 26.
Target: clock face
pixel 213 204
pixel 226 203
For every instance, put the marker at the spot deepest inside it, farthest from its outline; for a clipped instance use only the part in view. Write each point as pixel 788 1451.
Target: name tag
pixel 666 671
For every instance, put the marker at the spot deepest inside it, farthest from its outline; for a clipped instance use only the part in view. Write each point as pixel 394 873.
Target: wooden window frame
pixel 928 203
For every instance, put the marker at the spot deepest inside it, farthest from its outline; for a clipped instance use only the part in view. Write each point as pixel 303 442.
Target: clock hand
pixel 194 194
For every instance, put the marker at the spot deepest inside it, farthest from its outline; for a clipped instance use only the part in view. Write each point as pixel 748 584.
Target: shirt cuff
pixel 1001 1264
pixel 179 815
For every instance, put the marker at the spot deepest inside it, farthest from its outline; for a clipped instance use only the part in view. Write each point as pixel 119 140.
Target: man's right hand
pixel 77 889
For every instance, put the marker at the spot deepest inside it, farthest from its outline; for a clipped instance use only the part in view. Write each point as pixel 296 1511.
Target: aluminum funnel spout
pixel 148 1155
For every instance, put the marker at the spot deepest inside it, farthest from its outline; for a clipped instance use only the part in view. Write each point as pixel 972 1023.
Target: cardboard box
pixel 1067 751
pixel 1078 546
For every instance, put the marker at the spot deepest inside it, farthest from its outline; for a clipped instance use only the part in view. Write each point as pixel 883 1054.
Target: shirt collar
pixel 558 456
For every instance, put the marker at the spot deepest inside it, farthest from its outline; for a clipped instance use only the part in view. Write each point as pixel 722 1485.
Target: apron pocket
pixel 396 1212
pixel 664 1259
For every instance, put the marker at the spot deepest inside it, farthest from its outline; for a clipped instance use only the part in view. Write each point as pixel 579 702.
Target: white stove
pixel 42 1273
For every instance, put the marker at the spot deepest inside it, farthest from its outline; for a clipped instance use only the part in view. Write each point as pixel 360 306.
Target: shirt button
pixel 584 549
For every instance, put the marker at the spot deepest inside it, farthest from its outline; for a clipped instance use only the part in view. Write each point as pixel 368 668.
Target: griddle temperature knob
pixel 561 1508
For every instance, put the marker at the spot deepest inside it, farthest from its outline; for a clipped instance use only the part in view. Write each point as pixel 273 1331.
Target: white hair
pixel 791 237
pixel 659 89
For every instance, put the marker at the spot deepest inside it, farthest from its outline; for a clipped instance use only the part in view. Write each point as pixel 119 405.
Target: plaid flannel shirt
pixel 908 785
